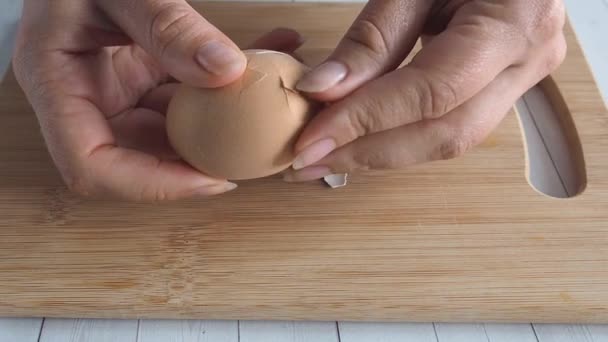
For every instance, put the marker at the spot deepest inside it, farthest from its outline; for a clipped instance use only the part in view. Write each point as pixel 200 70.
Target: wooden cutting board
pixel 462 240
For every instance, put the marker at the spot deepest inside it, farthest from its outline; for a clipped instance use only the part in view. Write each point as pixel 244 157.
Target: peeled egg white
pixel 247 129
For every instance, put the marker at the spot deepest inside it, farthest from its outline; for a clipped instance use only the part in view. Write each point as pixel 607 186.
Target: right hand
pixel 98 75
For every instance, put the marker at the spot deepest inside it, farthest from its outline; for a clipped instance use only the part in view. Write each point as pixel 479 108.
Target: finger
pixel 189 47
pixel 135 73
pixel 377 42
pixel 116 172
pixel 158 98
pixel 83 147
pixel 280 39
pixel 445 138
pixel 452 68
pixel 143 130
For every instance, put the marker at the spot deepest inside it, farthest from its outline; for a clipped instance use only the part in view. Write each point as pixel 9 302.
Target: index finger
pixel 453 67
pixel 180 39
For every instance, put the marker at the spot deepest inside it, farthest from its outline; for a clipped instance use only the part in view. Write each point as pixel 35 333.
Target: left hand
pixel 99 75
pixel 478 58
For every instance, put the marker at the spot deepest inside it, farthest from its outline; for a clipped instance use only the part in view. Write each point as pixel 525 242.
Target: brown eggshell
pixel 244 130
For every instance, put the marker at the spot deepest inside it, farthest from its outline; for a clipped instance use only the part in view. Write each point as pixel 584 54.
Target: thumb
pixel 376 43
pixel 185 44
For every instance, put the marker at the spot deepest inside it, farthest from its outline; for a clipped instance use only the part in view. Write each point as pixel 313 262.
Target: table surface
pixel 589 20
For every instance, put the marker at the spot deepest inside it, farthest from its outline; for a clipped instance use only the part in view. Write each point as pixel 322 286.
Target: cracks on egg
pixel 286 92
pixel 283 86
pixel 253 77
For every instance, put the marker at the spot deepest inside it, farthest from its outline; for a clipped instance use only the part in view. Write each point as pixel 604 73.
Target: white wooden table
pixel 590 20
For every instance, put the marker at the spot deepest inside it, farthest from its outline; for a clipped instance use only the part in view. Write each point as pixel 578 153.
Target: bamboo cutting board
pixel 462 240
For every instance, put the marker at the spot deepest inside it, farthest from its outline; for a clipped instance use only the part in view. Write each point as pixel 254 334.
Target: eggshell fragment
pixel 247 129
pixel 336 180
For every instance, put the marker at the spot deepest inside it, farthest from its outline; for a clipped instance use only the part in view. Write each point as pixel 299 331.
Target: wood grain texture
pixel 565 333
pixel 599 333
pixel 20 329
pixel 188 331
pixel 461 240
pixel 386 332
pixel 485 333
pixel 287 331
pixel 509 332
pixel 89 330
pixel 455 332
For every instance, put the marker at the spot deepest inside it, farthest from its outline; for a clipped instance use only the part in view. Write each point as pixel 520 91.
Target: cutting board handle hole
pixel 554 154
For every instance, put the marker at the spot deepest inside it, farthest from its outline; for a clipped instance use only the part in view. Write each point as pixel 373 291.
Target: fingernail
pixel 218 58
pixel 307 174
pixel 323 77
pixel 314 153
pixel 214 189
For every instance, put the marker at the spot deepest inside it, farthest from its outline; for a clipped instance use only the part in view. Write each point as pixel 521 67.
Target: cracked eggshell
pixel 247 129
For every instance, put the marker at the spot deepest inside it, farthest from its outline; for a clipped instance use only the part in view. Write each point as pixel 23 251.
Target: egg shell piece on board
pixel 336 180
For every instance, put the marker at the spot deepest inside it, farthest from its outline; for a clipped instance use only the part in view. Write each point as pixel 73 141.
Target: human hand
pixel 477 59
pixel 99 74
